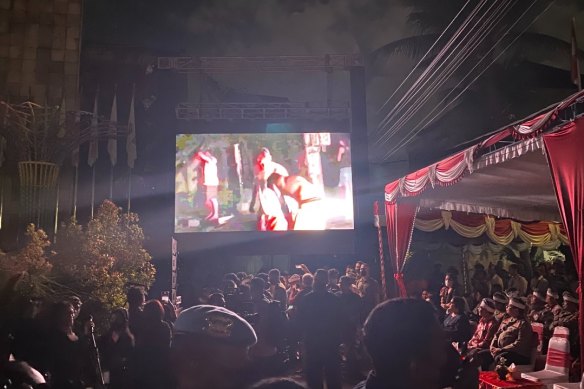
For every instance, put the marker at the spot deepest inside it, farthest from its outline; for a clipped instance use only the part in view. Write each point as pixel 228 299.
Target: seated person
pixel 513 340
pixel 479 344
pixel 501 300
pixel 539 312
pixel 456 325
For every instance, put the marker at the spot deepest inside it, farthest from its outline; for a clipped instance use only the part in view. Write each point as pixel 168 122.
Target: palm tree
pixel 528 76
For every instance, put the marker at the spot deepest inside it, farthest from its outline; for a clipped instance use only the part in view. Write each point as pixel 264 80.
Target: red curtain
pixel 565 153
pixel 400 224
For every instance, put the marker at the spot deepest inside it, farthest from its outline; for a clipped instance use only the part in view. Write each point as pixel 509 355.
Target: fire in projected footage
pixel 263 182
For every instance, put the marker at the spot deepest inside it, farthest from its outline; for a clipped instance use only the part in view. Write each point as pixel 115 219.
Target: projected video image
pixel 263 182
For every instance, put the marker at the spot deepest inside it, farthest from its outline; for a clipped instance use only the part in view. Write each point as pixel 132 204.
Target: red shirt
pixel 484 333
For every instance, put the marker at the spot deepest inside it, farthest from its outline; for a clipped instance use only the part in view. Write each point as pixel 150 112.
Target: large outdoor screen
pixel 263 182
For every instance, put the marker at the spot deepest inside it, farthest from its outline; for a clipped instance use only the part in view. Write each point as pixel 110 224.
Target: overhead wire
pixel 421 126
pixel 421 61
pixel 406 98
pixel 448 67
pixel 459 59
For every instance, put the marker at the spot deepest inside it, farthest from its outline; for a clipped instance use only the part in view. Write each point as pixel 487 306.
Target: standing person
pixel 351 306
pixel 293 288
pixel 513 339
pixel 116 347
pixel 136 299
pixel 320 317
pixel 152 348
pixel 449 290
pixel 68 355
pixel 495 281
pixel 210 349
pixel 305 288
pixel 539 283
pixel 333 282
pixel 277 289
pixel 271 217
pixel 345 173
pixel 368 290
pixel 516 281
pixel 208 180
pixel 310 213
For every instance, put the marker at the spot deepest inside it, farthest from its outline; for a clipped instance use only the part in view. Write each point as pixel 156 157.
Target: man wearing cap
pixel 539 313
pixel 552 303
pixel 513 339
pixel 485 332
pixel 568 317
pixel 501 301
pixel 210 348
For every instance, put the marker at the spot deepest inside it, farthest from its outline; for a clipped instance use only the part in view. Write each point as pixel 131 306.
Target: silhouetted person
pixel 277 289
pixel 116 348
pixel 210 348
pixel 320 319
pixel 152 348
pixel 136 299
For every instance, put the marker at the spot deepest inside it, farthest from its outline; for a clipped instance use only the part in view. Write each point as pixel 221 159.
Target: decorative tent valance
pixel 500 231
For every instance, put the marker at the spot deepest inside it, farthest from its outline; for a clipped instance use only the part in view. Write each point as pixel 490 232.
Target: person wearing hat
pixel 501 300
pixel 210 348
pixel 539 313
pixel 513 339
pixel 568 317
pixel 552 302
pixel 487 326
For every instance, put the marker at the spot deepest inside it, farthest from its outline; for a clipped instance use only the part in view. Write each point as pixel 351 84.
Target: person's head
pixel 153 311
pixel 277 383
pixel 229 287
pixel 570 302
pixel 512 292
pixel 276 180
pixel 358 265
pixel 487 308
pixel 406 343
pixel 274 276
pixel 349 270
pixel 364 270
pixel 538 300
pixel 294 280
pixel 265 277
pixel 119 320
pixel 136 297
pixel 427 296
pixel 457 305
pixel 320 279
pixel 513 270
pixel 63 316
pixel 217 300
pixel 210 347
pixel 501 300
pixel 307 281
pixel 450 280
pixel 516 307
pixel 333 276
pixel 257 287
pixel 551 298
pixel 232 277
pixel 76 303
pixel 346 284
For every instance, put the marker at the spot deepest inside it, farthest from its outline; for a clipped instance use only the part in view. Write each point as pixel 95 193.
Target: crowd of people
pixel 252 329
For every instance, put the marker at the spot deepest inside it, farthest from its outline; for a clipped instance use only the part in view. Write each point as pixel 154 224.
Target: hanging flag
pixel 94 133
pixel 75 152
pixel 112 142
pixel 2 150
pixel 574 60
pixel 131 140
pixel 62 120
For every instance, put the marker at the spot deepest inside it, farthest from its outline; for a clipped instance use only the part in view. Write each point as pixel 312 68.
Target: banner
pixel 112 141
pixel 131 140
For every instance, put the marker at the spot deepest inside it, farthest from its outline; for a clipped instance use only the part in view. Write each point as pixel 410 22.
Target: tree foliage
pixel 99 261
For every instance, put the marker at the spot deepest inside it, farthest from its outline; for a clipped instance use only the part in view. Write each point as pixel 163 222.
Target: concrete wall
pixel 39 50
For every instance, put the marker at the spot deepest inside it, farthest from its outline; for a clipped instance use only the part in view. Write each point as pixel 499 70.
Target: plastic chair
pixel 557 364
pixel 561 332
pixel 571 385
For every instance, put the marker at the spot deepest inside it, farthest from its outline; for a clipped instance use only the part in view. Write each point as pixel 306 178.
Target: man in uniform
pixel 501 302
pixel 210 348
pixel 513 339
pixel 539 312
pixel 552 303
pixel 482 338
pixel 568 317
